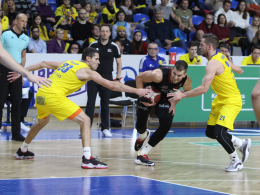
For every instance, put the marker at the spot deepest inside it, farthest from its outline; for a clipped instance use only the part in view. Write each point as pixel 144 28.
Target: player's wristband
pixel 118 79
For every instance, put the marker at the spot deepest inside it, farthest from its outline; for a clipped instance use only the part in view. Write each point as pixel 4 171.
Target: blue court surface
pixel 127 133
pixel 104 185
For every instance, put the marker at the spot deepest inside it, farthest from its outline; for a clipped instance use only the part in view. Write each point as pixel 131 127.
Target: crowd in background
pixel 74 24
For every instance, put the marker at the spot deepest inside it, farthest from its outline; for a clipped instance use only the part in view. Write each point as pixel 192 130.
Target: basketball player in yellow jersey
pixel 68 77
pixel 226 106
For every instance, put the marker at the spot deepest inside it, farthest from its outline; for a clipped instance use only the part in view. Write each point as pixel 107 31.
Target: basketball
pixel 155 96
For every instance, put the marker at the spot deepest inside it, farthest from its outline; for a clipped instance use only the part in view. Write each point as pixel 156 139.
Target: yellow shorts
pixel 58 105
pixel 223 115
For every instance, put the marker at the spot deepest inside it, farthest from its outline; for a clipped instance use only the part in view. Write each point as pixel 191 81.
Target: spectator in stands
pixel 121 35
pixel 225 9
pixel 120 44
pixel 37 21
pixel 224 49
pixel 161 31
pixel 95 36
pixel 224 31
pixel 225 35
pixel 198 38
pixel 146 10
pixel 151 61
pixel 128 7
pixel 4 20
pixel 251 30
pixel 95 5
pixel 66 9
pixel 256 39
pixel 81 29
pixel 253 5
pixel 196 10
pixel 120 21
pixel 10 10
pixel 57 45
pixel 185 15
pixel 74 48
pixel 192 57
pixel 36 45
pixel 139 46
pixel 169 13
pixel 254 58
pixel 26 7
pixel 109 13
pixel 241 18
pixel 208 26
pixel 66 28
pixel 92 16
pixel 47 15
pixel 214 5
pixel 77 4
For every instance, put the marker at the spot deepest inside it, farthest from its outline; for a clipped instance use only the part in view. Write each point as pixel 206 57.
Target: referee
pixel 108 50
pixel 14 42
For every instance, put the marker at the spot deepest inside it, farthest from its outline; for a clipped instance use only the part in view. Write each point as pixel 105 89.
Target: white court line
pixel 214 180
pixel 179 184
pixel 184 163
pixel 247 130
pixel 244 133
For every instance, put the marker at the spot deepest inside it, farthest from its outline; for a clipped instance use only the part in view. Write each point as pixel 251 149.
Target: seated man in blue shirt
pixel 36 45
pixel 152 60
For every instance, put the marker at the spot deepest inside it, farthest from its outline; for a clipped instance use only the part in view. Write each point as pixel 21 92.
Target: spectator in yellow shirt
pixel 254 58
pixel 192 58
pixel 4 20
pixel 109 13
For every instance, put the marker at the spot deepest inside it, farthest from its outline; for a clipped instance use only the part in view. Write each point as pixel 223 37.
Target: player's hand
pixel 39 80
pixel 175 96
pixel 143 92
pixel 148 104
pixel 13 76
pixel 172 108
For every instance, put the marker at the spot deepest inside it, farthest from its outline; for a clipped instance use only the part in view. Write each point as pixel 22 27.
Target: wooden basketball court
pixel 186 162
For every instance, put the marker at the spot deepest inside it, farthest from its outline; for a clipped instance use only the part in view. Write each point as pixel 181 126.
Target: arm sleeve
pixel 117 52
pixel 27 43
pixel 30 46
pixel 114 31
pixel 142 65
pixel 3 36
pixel 244 62
pixel 5 23
pixel 58 12
pixel 44 48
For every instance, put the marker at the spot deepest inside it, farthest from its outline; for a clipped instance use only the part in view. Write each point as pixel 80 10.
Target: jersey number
pixel 222 118
pixel 65 67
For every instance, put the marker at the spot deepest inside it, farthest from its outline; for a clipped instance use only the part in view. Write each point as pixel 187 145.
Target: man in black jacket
pixel 161 31
pixel 81 30
pixel 121 35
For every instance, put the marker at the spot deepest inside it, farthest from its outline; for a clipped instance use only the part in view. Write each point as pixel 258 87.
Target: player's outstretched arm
pixel 115 86
pixel 148 77
pixel 44 64
pixel 210 72
pixel 236 68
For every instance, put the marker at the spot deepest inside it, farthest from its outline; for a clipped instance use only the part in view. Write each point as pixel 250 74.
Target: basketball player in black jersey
pixel 165 79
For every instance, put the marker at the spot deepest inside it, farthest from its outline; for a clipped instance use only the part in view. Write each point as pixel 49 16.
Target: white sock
pixel 87 152
pixel 24 147
pixel 143 135
pixel 146 149
pixel 236 141
pixel 234 155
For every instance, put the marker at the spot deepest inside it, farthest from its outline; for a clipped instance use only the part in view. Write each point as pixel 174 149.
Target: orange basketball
pixel 155 96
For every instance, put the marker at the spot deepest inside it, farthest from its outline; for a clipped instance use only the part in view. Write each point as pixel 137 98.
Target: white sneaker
pixel 244 149
pixel 106 133
pixel 235 165
pixel 24 128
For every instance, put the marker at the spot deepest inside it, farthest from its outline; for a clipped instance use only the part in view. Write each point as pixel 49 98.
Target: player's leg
pixel 141 125
pixel 165 121
pixel 255 96
pixel 88 161
pixel 23 152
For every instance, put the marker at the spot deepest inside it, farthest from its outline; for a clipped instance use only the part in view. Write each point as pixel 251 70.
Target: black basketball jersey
pixel 166 85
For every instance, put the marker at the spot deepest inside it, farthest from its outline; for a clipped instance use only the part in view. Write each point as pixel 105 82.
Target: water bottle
pixel 33 120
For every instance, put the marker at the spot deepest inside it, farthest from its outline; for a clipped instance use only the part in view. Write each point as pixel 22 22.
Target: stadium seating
pixel 250 20
pixel 234 4
pixel 52 2
pixel 138 17
pixel 192 34
pixel 162 52
pixel 177 50
pixel 53 7
pixel 196 20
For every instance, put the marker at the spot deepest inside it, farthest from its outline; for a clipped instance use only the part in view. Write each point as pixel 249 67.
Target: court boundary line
pixel 180 184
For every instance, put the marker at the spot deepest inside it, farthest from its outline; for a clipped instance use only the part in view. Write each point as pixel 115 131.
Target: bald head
pixel 21 22
pixel 21 15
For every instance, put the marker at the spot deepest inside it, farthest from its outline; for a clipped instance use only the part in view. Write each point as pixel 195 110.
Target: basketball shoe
pixel 235 165
pixel 140 142
pixel 23 155
pixel 92 163
pixel 244 149
pixel 143 160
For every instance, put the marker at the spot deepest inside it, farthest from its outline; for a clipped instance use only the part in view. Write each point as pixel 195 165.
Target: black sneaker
pixel 19 138
pixel 144 160
pixel 92 163
pixel 140 142
pixel 23 155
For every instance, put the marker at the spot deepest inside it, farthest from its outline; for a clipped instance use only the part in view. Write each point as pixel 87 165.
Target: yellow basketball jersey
pixel 225 85
pixel 64 79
